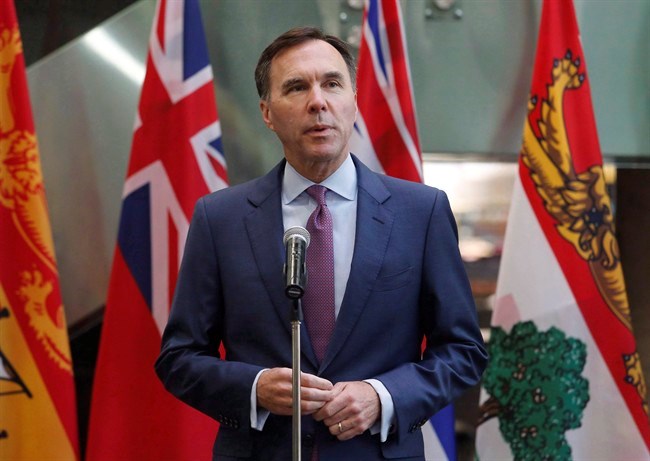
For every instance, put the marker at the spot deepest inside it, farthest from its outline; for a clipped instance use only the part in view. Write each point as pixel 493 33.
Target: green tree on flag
pixel 536 389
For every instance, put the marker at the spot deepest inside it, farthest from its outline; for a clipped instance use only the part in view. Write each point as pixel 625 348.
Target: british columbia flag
pixel 386 139
pixel 176 157
pixel 385 136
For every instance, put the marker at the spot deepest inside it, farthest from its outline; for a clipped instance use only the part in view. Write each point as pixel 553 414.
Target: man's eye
pixel 333 84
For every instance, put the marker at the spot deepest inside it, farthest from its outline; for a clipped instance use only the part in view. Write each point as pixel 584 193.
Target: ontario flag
pixel 385 138
pixel 38 415
pixel 176 157
pixel 564 379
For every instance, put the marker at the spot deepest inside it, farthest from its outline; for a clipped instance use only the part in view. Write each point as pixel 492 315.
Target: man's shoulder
pixel 398 188
pixel 254 191
pixel 391 184
pixel 398 184
pixel 232 192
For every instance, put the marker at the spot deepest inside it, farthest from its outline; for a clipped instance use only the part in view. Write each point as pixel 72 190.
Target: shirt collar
pixel 343 181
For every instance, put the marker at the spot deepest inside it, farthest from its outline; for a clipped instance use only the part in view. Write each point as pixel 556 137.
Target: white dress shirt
pixel 297 206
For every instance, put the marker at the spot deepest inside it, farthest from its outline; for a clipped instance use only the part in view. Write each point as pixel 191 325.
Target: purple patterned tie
pixel 318 300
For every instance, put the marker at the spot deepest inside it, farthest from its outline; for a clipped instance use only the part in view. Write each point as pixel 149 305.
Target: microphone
pixel 296 241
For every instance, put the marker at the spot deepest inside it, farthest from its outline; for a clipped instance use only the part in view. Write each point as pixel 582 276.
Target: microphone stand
pixel 296 241
pixel 295 375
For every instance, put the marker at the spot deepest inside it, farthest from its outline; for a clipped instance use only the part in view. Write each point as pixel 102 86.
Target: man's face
pixel 311 107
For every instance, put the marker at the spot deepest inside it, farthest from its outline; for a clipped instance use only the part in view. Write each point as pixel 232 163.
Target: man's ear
pixel 356 107
pixel 265 109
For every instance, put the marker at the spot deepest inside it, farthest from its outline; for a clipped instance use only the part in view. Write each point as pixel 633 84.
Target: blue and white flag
pixel 386 139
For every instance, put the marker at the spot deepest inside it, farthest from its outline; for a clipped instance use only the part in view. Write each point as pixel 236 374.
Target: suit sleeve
pixel 190 365
pixel 454 357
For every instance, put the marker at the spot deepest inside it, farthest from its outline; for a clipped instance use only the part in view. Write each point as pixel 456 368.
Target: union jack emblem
pixel 176 157
pixel 385 136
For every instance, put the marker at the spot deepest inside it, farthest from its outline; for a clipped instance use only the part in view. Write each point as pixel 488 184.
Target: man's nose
pixel 317 101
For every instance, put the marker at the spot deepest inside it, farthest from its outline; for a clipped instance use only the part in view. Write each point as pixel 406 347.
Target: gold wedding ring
pixel 340 428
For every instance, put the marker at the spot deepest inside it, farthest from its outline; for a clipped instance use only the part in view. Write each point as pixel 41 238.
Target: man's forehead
pixel 299 58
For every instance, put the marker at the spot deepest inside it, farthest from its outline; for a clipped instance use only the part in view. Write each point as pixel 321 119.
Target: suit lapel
pixel 265 231
pixel 374 225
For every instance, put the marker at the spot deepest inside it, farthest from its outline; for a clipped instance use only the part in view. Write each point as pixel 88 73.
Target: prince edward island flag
pixel 564 380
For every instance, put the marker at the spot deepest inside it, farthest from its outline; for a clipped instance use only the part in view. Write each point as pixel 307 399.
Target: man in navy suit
pixel 398 279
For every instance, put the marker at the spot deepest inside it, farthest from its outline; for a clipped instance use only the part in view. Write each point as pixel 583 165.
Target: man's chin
pixel 325 156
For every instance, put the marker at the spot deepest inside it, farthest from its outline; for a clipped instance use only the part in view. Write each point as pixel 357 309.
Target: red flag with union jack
pixel 385 138
pixel 564 379
pixel 38 416
pixel 176 157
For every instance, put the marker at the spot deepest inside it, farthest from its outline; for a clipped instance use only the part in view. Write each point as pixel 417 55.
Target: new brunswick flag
pixel 564 379
pixel 38 417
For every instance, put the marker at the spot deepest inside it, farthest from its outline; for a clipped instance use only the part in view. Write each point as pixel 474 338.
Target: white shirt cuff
pixel 258 415
pixel 383 425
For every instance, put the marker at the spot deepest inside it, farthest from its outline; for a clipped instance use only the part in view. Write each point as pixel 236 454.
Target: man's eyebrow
pixel 291 82
pixel 334 74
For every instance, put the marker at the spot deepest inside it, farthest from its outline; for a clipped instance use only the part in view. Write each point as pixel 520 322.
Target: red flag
pixel 385 136
pixel 564 379
pixel 38 416
pixel 176 158
pixel 386 139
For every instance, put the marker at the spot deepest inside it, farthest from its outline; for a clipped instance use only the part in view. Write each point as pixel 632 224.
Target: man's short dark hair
pixel 293 38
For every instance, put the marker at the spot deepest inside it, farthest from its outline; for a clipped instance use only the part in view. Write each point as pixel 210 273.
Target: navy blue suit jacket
pixel 407 282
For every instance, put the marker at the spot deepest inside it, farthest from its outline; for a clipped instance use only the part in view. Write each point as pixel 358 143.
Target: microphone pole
pixel 296 241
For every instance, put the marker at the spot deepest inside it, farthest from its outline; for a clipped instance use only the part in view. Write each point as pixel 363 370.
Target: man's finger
pixel 315 395
pixel 334 405
pixel 309 380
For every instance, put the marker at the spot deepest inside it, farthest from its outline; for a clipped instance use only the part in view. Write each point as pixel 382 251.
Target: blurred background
pixel 471 65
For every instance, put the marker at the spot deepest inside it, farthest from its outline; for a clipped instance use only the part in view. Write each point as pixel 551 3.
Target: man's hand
pixel 274 392
pixel 354 408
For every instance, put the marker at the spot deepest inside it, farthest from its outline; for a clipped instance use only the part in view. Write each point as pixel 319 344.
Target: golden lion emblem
pixel 52 333
pixel 578 202
pixel 635 376
pixel 23 195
